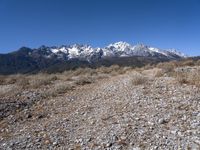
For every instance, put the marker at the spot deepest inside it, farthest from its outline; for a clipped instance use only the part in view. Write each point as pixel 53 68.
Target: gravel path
pixel 110 114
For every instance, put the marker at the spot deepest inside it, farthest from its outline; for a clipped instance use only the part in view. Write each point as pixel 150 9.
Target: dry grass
pixel 197 63
pixel 112 70
pixel 82 80
pixel 39 80
pixel 168 67
pixel 10 79
pixel 84 76
pixel 159 73
pixel 192 77
pixel 58 89
pixel 2 80
pixel 187 62
pixel 138 79
pixel 23 82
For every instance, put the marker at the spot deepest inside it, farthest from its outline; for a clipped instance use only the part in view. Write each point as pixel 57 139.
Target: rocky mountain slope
pixel 53 59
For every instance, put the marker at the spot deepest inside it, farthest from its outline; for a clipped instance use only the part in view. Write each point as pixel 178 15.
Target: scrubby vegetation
pixel 138 79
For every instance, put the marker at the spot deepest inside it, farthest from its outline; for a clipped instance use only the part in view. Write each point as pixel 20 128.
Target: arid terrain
pixel 154 107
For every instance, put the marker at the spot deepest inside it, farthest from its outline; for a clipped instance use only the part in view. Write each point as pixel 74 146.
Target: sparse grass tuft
pixel 82 80
pixel 192 77
pixel 36 81
pixel 23 82
pixel 197 63
pixel 168 67
pixel 138 79
pixel 2 80
pixel 58 89
pixel 159 73
pixel 188 62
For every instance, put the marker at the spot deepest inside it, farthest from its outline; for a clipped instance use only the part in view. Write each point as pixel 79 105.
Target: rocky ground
pixel 112 113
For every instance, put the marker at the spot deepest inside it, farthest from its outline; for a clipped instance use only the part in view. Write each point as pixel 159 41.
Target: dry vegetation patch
pixel 58 89
pixel 39 80
pixel 82 80
pixel 168 67
pixel 138 78
pixel 190 77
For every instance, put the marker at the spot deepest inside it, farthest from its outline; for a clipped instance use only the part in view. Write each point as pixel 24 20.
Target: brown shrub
pixel 69 75
pixel 188 62
pixel 112 70
pixel 57 90
pixel 83 71
pixel 168 66
pixel 107 70
pixel 2 80
pixel 197 63
pixel 148 66
pixel 181 77
pixel 138 79
pixel 192 77
pixel 11 80
pixel 159 73
pixel 82 80
pixel 23 82
pixel 36 81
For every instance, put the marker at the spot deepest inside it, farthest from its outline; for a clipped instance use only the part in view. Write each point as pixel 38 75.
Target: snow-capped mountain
pixel 119 49
pixel 65 57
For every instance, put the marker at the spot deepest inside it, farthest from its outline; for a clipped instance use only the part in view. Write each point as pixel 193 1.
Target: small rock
pixel 123 138
pixel 55 143
pixel 47 142
pixel 162 121
pixel 108 144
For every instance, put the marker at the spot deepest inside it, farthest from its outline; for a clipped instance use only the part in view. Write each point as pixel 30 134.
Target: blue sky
pixel 159 23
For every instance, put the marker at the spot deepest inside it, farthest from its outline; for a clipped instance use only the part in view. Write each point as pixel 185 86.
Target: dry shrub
pixel 107 70
pixel 112 70
pixel 138 79
pixel 192 77
pixel 155 72
pixel 181 77
pixel 36 81
pixel 148 66
pixel 168 66
pixel 10 79
pixel 2 80
pixel 82 80
pixel 69 75
pixel 197 63
pixel 159 73
pixel 121 70
pixel 57 90
pixel 23 82
pixel 83 71
pixel 188 62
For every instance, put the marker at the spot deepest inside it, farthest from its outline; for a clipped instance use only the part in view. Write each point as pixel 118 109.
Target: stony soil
pixel 111 114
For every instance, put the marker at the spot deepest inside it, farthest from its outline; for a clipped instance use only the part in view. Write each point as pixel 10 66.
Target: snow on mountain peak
pixel 177 52
pixel 120 45
pixel 118 49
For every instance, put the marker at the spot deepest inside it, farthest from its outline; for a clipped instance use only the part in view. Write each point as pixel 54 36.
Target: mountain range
pixel 65 57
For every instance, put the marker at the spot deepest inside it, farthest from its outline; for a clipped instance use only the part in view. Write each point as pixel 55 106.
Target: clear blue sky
pixel 159 23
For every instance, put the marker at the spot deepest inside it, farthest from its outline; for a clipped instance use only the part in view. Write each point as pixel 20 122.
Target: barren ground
pixel 111 113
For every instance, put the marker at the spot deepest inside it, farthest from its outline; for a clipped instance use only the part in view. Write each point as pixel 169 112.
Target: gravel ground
pixel 111 114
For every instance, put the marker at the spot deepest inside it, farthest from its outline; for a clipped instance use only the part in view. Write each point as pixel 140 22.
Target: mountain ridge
pixel 66 57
